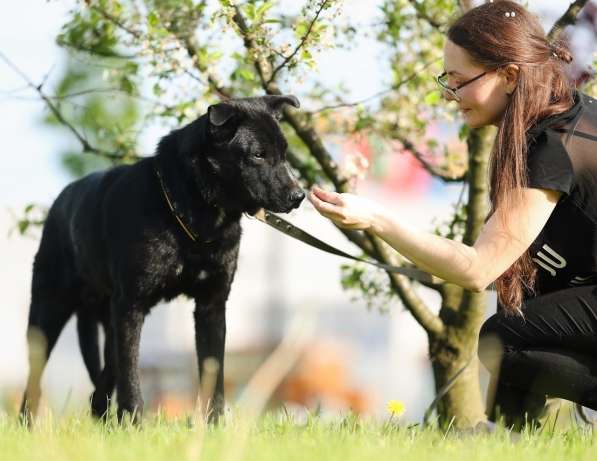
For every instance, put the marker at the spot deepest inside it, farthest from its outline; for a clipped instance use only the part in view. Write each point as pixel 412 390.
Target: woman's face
pixel 482 102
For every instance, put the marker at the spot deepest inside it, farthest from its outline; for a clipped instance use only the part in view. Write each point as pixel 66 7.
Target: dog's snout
pixel 296 197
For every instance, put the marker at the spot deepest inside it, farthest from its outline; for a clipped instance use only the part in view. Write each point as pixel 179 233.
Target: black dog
pixel 117 242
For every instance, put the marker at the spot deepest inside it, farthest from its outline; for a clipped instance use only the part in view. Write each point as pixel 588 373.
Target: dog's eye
pixel 259 156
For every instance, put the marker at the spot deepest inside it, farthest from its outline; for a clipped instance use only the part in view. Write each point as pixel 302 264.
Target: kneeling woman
pixel 539 243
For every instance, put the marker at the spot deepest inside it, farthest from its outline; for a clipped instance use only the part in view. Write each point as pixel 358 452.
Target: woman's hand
pixel 348 211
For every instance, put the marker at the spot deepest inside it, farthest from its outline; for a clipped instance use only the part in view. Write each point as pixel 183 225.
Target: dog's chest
pixel 189 272
pixel 195 264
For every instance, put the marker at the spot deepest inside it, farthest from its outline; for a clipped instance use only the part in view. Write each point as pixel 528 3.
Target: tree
pixel 190 54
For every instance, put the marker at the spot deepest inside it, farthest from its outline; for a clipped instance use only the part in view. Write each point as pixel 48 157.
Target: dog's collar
pixel 195 238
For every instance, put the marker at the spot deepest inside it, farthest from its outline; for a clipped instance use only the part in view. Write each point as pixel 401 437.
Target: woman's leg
pixel 551 350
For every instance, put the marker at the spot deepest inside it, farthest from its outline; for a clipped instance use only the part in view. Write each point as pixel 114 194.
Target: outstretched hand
pixel 348 211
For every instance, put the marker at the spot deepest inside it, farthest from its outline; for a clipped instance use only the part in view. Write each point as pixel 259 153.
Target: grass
pixel 277 437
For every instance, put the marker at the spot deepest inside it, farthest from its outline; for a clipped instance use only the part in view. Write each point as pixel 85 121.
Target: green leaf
pixel 127 85
pixel 131 67
pixel 116 7
pixel 306 55
pixel 158 90
pixel 246 74
pixel 23 225
pixel 262 10
pixel 152 19
pixel 463 132
pixel 301 29
pixel 249 10
pixel 433 98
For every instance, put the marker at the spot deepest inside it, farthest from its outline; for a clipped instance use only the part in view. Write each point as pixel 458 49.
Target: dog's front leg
pixel 210 339
pixel 127 321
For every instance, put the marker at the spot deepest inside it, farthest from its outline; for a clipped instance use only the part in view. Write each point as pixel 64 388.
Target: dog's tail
pixel 88 331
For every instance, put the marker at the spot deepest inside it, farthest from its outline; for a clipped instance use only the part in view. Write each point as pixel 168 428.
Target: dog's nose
pixel 296 197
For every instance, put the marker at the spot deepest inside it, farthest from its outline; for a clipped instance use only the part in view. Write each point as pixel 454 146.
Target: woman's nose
pixel 450 95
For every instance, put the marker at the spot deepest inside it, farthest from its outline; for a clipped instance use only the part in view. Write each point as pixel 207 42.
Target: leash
pixel 280 224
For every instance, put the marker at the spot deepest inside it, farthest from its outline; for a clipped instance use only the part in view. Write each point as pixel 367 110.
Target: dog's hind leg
pixel 46 321
pixel 104 388
pixel 87 330
pixel 102 379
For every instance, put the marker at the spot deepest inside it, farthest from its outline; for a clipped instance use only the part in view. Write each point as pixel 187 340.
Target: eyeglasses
pixel 442 81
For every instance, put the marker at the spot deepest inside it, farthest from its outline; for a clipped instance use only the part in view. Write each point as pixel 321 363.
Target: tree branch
pixel 38 88
pixel 421 13
pixel 298 121
pixel 403 286
pixel 135 33
pixel 307 134
pixel 351 104
pixel 428 167
pixel 376 95
pixel 212 81
pixel 283 64
pixel 95 52
pixel 262 66
pixel 567 19
pixel 139 36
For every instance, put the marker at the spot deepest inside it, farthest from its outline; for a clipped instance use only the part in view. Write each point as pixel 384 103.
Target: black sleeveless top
pixel 562 155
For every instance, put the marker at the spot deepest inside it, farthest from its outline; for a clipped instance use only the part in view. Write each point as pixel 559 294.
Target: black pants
pixel 552 350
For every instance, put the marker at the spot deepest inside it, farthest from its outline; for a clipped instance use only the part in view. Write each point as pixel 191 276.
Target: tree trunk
pixel 462 311
pixel 462 405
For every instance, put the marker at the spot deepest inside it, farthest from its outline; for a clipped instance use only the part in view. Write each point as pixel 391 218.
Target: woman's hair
pixel 494 35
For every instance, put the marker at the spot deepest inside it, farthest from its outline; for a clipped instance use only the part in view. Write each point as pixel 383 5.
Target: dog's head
pixel 247 152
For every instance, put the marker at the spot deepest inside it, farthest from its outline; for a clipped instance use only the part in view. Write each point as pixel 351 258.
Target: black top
pixel 562 155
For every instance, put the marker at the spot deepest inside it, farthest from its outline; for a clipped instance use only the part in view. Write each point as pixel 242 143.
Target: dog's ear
pixel 275 102
pixel 219 114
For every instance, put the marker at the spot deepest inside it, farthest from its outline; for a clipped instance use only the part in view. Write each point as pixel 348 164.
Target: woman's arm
pixel 472 267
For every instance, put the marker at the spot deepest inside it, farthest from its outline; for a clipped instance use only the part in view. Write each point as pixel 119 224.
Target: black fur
pixel 111 248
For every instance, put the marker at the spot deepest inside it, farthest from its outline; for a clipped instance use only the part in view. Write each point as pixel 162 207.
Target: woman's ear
pixel 510 74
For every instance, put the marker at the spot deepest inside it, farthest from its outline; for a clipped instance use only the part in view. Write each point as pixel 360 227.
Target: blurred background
pixel 360 356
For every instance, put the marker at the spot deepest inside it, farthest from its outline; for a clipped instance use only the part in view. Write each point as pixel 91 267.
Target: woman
pixel 539 243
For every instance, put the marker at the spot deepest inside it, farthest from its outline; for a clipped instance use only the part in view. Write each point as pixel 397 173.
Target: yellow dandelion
pixel 395 407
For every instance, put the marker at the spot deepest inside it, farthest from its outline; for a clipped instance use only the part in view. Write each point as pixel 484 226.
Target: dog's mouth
pixel 276 205
pixel 282 208
pixel 261 210
pixel 255 210
pixel 272 207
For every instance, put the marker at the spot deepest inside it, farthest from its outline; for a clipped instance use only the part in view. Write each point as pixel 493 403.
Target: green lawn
pixel 275 437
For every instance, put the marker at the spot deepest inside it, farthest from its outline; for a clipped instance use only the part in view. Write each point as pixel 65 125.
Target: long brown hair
pixel 496 34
